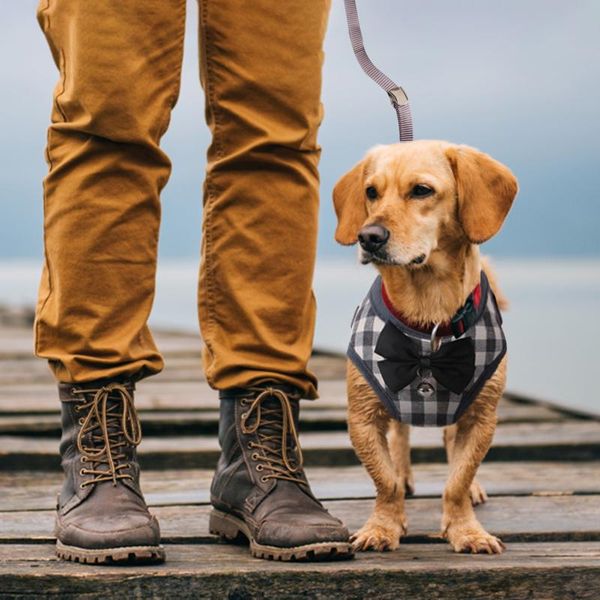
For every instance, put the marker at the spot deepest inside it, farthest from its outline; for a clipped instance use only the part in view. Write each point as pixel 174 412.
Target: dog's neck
pixel 433 293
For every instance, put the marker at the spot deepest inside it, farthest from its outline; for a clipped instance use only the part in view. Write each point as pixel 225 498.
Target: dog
pixel 419 210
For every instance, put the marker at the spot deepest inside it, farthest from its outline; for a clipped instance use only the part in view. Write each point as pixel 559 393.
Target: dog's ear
pixel 486 190
pixel 349 203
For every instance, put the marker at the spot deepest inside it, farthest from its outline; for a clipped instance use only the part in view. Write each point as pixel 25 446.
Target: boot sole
pixel 230 528
pixel 106 556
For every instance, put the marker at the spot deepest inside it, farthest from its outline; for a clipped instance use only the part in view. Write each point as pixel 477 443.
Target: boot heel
pixel 224 526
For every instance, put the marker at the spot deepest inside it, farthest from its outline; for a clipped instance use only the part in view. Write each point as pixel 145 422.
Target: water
pixel 552 326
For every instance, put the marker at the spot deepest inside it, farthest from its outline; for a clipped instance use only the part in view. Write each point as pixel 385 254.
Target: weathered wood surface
pixel 513 518
pixel 16 342
pixel 37 490
pixel 206 421
pixel 527 572
pixel 564 440
pixel 161 396
pixel 177 368
pixel 542 475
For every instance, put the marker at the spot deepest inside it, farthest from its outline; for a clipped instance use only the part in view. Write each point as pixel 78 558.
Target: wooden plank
pixel 167 423
pixel 207 421
pixel 566 411
pixel 429 571
pixel 154 394
pixel 514 519
pixel 567 440
pixel 16 342
pixel 178 367
pixel 37 490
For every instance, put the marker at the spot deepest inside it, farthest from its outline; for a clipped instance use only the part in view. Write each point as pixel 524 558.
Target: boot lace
pixel 112 422
pixel 271 418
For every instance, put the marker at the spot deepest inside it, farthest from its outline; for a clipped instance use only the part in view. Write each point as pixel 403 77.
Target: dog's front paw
pixel 474 541
pixel 377 535
pixel 477 493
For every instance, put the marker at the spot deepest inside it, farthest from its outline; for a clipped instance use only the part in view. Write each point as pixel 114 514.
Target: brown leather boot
pixel 101 513
pixel 260 490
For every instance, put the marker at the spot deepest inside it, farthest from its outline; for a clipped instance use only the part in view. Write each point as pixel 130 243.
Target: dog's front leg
pixel 474 433
pixel 477 491
pixel 399 445
pixel 368 424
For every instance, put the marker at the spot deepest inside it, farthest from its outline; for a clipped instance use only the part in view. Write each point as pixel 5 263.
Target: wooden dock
pixel 542 475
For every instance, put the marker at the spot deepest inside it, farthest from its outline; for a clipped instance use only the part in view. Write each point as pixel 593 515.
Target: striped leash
pixel 396 94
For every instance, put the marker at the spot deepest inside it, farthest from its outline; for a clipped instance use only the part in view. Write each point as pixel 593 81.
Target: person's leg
pixel 261 71
pixel 119 63
pixel 261 67
pixel 120 66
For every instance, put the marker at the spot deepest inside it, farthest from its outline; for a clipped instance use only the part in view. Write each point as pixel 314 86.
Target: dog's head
pixel 405 203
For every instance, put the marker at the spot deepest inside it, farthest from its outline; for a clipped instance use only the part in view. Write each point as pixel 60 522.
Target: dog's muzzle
pixel 372 238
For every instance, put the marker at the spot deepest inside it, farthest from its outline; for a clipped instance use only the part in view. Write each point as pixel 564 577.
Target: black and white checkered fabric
pixel 438 406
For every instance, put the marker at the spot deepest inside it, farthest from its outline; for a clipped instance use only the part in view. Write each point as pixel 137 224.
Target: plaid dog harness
pixel 417 384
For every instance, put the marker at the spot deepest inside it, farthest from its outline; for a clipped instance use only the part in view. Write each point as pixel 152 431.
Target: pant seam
pixel 63 72
pixel 172 100
pixel 211 191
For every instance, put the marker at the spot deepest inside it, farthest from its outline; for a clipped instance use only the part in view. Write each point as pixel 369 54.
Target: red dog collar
pixel 456 326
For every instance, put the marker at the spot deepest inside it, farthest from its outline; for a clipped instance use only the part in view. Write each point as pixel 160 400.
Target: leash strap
pixel 396 94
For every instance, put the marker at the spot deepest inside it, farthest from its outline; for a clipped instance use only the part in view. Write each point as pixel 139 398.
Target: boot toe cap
pixel 134 530
pixel 292 533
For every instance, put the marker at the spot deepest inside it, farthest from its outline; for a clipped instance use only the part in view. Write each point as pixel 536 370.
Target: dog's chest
pixel 425 401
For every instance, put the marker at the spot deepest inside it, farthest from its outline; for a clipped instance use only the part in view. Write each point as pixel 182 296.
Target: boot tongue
pixel 112 430
pixel 272 415
pixel 117 443
pixel 273 427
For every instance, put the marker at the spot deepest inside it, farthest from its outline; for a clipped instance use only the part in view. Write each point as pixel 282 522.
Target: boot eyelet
pixel 250 445
pixel 83 459
pixel 244 416
pixel 80 421
pixel 82 472
pixel 77 408
pixel 255 456
pixel 81 486
pixel 264 479
pixel 259 467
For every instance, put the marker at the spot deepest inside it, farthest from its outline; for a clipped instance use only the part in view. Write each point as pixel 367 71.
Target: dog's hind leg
pixel 476 491
pixel 368 425
pixel 399 444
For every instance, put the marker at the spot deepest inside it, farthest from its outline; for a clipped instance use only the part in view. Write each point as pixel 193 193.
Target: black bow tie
pixel 452 365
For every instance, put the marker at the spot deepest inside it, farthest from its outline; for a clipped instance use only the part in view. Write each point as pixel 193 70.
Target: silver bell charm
pixel 425 390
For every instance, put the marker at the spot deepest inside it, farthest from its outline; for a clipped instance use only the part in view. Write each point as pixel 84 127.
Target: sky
pixel 519 79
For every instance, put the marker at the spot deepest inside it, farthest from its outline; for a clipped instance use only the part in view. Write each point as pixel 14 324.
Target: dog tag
pixel 425 390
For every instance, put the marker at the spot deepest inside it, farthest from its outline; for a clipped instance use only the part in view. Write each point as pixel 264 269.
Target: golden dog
pixel 435 202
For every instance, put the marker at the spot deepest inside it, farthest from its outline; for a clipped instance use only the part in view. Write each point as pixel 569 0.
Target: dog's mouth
pixel 380 258
pixel 383 258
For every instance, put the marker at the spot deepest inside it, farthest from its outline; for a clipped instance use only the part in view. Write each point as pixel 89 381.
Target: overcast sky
pixel 518 79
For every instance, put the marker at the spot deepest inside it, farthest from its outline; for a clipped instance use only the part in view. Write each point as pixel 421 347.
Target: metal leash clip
pixel 398 97
pixel 435 342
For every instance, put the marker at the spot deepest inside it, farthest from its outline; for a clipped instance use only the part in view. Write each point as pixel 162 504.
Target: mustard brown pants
pixel 120 67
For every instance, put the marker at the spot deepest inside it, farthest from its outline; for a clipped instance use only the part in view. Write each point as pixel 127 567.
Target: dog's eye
pixel 371 193
pixel 421 191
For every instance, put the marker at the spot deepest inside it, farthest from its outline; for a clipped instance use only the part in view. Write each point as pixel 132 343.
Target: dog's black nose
pixel 373 237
